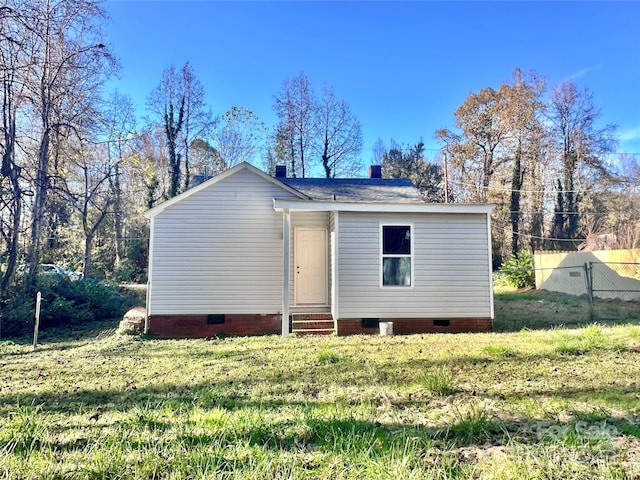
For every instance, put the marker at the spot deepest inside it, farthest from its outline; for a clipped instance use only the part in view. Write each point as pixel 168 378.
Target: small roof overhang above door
pixel 281 205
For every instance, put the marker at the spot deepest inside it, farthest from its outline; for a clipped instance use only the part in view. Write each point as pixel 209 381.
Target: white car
pixel 51 269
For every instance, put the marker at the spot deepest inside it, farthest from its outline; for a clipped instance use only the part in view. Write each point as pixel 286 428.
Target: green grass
pixel 550 403
pixel 490 406
pixel 439 381
pixel 541 309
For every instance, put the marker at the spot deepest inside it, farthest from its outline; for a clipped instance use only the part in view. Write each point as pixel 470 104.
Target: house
pixel 246 253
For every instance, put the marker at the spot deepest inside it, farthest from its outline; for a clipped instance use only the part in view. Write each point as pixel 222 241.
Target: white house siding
pixel 333 263
pixel 303 220
pixel 219 251
pixel 451 267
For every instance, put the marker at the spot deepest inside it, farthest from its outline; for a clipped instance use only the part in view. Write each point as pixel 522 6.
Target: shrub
pixel 127 272
pixel 518 271
pixel 64 303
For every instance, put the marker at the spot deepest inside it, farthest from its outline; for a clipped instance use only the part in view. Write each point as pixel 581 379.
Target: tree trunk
pixel 117 207
pixel 537 217
pixel 10 170
pixel 570 212
pixel 557 230
pixel 87 261
pixel 90 232
pixel 325 159
pixel 302 165
pixel 13 236
pixel 487 173
pixel 172 129
pixel 516 187
pixel 42 167
pixel 41 190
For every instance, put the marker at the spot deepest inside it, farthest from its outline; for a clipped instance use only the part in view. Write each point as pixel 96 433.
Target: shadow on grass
pixel 145 423
pixel 206 395
pixel 55 336
pixel 60 340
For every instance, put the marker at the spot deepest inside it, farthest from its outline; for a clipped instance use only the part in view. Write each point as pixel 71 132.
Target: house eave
pixel 281 205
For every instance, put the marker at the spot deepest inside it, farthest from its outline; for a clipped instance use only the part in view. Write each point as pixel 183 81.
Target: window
pixel 397 249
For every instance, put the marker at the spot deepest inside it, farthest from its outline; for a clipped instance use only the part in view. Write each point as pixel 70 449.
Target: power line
pixel 594 214
pixel 403 148
pixel 550 191
pixel 519 234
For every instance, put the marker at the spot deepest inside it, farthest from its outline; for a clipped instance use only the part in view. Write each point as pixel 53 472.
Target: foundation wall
pixel 405 326
pixel 199 326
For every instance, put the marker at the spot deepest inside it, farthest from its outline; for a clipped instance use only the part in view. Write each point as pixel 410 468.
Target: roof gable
pixel 218 178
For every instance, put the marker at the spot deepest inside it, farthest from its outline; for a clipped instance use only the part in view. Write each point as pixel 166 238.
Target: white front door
pixel 310 266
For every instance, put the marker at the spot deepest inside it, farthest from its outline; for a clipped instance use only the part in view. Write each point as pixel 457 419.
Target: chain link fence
pixel 597 291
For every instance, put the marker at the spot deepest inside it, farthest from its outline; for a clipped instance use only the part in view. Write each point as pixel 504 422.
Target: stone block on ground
pixel 133 320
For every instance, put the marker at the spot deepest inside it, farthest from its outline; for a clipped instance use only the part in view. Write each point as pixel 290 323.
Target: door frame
pixel 325 264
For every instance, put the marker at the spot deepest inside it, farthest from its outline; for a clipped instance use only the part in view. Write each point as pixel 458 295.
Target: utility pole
pixel 446 179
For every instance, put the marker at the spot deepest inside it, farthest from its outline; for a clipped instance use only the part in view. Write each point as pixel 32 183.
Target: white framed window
pixel 396 255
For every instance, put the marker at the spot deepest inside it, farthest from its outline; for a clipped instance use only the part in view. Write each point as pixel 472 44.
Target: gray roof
pixel 388 190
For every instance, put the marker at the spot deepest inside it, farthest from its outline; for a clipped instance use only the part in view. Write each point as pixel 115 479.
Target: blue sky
pixel 403 67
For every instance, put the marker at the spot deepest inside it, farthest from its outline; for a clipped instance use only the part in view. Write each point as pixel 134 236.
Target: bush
pixel 518 271
pixel 128 272
pixel 64 303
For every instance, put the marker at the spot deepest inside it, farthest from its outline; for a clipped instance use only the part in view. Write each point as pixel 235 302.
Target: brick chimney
pixel 281 171
pixel 375 171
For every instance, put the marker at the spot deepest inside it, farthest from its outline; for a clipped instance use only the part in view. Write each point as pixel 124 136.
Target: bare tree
pixel 296 110
pixel 68 63
pixel 197 120
pixel 118 124
pixel 239 136
pixel 12 58
pixel 338 136
pixel 610 216
pixel 168 101
pixel 151 148
pixel 378 151
pixel 178 102
pixel 573 115
pixel 88 191
pixel 521 112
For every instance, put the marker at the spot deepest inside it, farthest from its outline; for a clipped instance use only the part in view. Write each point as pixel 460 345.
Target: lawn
pixel 549 403
pixel 541 309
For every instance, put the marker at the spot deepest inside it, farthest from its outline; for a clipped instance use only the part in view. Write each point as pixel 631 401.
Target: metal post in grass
pixel 589 281
pixel 37 324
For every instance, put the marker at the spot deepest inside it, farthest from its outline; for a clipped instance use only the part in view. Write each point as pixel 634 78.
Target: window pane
pixel 396 240
pixel 396 271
